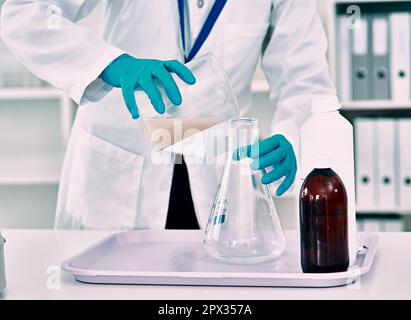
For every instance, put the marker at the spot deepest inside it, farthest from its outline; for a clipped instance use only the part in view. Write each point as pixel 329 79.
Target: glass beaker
pixel 243 227
pixel 208 103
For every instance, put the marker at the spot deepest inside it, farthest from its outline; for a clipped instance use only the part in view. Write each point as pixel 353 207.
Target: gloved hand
pixel 131 74
pixel 276 152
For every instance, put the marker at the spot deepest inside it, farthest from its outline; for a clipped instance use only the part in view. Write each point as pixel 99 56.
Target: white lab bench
pixel 33 258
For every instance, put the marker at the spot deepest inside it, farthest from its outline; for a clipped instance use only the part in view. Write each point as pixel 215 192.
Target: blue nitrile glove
pixel 276 152
pixel 131 74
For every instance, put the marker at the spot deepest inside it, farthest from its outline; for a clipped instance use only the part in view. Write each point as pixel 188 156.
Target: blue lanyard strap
pixel 182 28
pixel 212 17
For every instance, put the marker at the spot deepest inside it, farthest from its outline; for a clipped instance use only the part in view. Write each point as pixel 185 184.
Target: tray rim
pixel 75 271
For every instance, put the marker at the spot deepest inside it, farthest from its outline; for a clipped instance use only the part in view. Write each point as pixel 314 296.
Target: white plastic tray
pixel 174 257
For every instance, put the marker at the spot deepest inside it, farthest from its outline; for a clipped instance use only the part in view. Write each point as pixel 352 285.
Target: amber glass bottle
pixel 323 222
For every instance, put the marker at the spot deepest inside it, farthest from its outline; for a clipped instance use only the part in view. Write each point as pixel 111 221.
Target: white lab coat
pixel 109 180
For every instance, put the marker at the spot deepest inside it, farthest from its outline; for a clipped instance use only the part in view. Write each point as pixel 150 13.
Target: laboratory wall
pixel 35 122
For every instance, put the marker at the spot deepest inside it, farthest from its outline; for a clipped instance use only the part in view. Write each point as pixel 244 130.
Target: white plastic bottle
pixel 328 134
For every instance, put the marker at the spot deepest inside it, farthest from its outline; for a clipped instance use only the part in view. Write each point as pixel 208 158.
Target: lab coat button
pixel 200 3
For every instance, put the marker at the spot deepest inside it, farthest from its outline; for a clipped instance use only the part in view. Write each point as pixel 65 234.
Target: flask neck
pixel 242 132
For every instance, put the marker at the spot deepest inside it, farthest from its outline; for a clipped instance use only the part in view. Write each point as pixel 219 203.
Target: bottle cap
pixel 323 162
pixel 325 104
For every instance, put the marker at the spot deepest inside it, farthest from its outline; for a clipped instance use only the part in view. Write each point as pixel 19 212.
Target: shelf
pixel 382 212
pixel 27 93
pixel 31 169
pixel 376 105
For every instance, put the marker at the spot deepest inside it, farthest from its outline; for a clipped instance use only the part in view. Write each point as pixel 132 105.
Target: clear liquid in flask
pixel 243 227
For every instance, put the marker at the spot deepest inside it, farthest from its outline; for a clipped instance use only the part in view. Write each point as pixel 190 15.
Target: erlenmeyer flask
pixel 243 227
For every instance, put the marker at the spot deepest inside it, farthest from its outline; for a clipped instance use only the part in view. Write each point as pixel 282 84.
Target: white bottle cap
pixel 323 162
pixel 325 104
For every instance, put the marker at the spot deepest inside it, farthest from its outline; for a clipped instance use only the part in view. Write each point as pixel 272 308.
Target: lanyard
pixel 212 17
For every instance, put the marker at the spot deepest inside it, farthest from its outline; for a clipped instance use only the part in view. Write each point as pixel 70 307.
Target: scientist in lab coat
pixel 109 180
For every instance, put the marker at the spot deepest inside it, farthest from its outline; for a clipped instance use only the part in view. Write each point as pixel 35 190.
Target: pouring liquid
pixel 164 133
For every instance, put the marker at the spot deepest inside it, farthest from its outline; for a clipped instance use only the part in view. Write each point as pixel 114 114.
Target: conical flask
pixel 243 227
